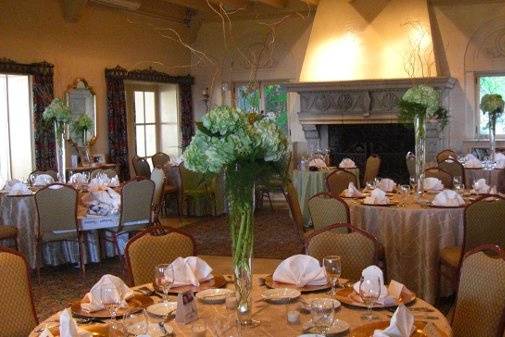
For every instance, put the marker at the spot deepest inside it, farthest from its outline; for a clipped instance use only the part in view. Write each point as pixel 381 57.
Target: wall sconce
pixel 205 98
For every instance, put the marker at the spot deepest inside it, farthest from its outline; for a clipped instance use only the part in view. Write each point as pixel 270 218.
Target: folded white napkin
pixel 500 163
pixel 499 156
pixel 68 327
pixel 92 301
pixel 100 182
pixel 377 197
pixel 401 325
pixel 16 187
pixel 46 333
pixel 432 184
pixel 317 162
pixel 473 162
pixel 481 187
pixel 103 202
pixel 470 156
pixel 352 192
pixel 448 198
pixel 300 270
pixel 43 180
pixel 78 178
pixel 372 273
pixel 387 185
pixel 189 270
pixel 347 163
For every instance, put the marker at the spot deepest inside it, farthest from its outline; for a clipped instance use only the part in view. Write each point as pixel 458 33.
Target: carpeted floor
pixel 275 237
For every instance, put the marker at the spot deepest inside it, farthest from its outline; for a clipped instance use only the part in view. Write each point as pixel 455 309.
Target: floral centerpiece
pixel 492 104
pixel 248 148
pixel 58 113
pixel 81 126
pixel 419 104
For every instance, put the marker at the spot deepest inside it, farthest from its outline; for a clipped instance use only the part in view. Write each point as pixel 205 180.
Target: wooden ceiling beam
pixel 273 3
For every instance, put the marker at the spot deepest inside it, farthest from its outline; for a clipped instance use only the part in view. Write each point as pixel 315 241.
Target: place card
pixel 186 308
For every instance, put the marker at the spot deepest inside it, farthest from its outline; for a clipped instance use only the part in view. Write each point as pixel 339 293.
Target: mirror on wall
pixel 81 99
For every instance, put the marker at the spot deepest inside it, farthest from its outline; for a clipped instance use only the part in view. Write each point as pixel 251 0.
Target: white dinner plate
pixel 162 309
pixel 281 295
pixel 214 295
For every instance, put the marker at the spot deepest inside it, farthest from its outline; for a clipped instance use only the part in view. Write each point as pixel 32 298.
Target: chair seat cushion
pixel 8 232
pixel 450 256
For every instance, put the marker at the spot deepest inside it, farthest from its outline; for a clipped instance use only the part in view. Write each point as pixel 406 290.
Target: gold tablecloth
pixel 273 316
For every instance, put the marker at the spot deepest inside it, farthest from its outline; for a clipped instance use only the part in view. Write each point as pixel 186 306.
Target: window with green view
pixel 492 84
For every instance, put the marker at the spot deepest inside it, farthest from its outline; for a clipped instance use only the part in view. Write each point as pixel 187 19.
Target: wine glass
pixel 110 299
pixel 404 191
pixel 322 312
pixel 369 291
pixel 333 266
pixel 458 184
pixel 413 182
pixel 135 322
pixel 164 279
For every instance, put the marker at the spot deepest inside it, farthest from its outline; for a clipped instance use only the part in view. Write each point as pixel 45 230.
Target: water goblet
pixel 136 322
pixel 333 266
pixel 164 279
pixel 404 191
pixel 110 299
pixel 413 182
pixel 323 314
pixel 369 291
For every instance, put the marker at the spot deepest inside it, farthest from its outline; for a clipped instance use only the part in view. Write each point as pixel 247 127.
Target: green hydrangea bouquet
pixel 58 113
pixel 82 125
pixel 248 148
pixel 493 105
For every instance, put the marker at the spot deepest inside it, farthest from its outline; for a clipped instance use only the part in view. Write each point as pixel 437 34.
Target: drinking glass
pixel 135 322
pixel 110 299
pixel 333 266
pixel 403 191
pixel 323 314
pixel 458 184
pixel 164 279
pixel 369 291
pixel 413 182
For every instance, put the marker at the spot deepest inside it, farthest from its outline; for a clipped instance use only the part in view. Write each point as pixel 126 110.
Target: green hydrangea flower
pixel 424 95
pixel 492 103
pixel 57 111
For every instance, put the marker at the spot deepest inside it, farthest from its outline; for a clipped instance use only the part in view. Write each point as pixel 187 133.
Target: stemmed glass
pixel 404 191
pixel 164 279
pixel 458 184
pixel 333 266
pixel 110 299
pixel 323 315
pixel 413 183
pixel 135 322
pixel 369 291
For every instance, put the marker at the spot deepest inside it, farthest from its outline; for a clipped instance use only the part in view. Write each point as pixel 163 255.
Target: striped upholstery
pixel 372 168
pixel 446 154
pixel 357 249
pixel 160 159
pixel 17 314
pixel 480 303
pixel 338 181
pixel 326 210
pixel 454 168
pixel 154 246
pixel 440 174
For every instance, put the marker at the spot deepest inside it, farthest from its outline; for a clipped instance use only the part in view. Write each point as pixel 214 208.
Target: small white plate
pixel 281 295
pixel 214 295
pixel 162 309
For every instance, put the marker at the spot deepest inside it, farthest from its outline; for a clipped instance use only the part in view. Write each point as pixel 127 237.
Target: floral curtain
pixel 187 125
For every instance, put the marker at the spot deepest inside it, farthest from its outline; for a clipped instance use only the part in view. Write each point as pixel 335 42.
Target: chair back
pixel 358 249
pixel 339 180
pixel 141 167
pixel 36 173
pixel 160 159
pixel 454 168
pixel 136 202
pixel 326 209
pixel 440 174
pixel 372 167
pixel 108 172
pixel 295 210
pixel 17 312
pixel 410 160
pixel 153 246
pixel 158 177
pixel 480 302
pixel 56 209
pixel 446 154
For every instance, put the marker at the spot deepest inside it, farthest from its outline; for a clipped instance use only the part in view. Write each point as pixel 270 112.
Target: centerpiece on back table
pixel 247 147
pixel 492 104
pixel 419 104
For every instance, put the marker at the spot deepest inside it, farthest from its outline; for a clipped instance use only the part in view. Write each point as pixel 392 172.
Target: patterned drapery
pixel 42 88
pixel 186 103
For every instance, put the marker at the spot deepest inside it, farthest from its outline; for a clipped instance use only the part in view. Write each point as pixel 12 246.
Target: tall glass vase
pixel 59 134
pixel 492 137
pixel 240 193
pixel 420 134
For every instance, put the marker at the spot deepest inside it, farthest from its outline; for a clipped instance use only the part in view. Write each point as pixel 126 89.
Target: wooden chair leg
pixel 270 201
pixel 81 241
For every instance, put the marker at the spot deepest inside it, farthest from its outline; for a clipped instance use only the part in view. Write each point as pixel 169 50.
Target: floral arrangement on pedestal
pixel 248 147
pixel 58 113
pixel 81 126
pixel 419 104
pixel 493 105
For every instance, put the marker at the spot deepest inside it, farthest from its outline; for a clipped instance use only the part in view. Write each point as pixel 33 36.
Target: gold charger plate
pixel 217 282
pixel 270 283
pixel 348 296
pixel 137 301
pixel 391 204
pixel 368 329
pixel 96 330
pixel 345 197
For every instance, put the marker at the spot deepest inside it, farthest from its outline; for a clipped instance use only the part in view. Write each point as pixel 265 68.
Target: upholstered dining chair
pixel 358 249
pixel 141 167
pixel 136 209
pixel 483 223
pixel 9 233
pixel 198 186
pixel 443 176
pixel 278 181
pixel 480 300
pixel 410 161
pixel 36 173
pixel 338 180
pixel 17 311
pixel 326 209
pixel 160 159
pixel 108 172
pixel 295 210
pixel 57 214
pixel 446 154
pixel 454 168
pixel 158 177
pixel 153 246
pixel 172 191
pixel 372 167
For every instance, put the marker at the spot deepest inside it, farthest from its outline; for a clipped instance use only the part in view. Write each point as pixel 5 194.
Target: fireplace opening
pixel 358 141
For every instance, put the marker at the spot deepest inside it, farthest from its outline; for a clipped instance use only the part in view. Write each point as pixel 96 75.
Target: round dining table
pixel 273 317
pixel 494 177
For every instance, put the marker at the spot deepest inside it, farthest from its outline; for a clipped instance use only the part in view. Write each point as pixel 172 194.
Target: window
pixel 16 148
pixel 267 97
pixel 155 119
pixel 490 84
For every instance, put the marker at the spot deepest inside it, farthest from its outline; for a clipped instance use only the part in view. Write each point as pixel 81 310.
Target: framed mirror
pixel 81 99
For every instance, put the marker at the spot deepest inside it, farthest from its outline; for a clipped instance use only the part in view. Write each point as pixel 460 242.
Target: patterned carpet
pixel 275 237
